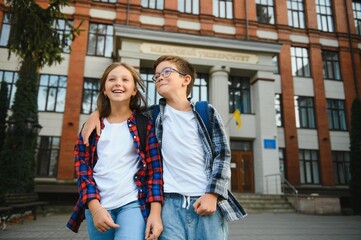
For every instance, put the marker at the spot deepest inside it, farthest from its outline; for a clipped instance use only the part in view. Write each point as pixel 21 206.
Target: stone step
pixel 264 203
pixel 263 210
pixel 267 205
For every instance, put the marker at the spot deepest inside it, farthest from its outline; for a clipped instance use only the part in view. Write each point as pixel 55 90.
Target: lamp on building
pixel 32 126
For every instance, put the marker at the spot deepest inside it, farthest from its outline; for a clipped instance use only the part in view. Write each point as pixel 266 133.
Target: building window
pixel 305 113
pixel 300 62
pixel 281 156
pixel 223 8
pixel 275 63
pixel 105 1
pixel 5 30
pixel 341 167
pixel 47 156
pixel 356 8
pixel 265 11
pixel 100 40
pixel 331 65
pixel 154 4
pixel 151 93
pixel 309 166
pixel 324 15
pixel 188 6
pixel 336 114
pixel 63 27
pixel 239 94
pixel 52 91
pixel 200 88
pixel 278 106
pixel 10 78
pixel 296 13
pixel 90 95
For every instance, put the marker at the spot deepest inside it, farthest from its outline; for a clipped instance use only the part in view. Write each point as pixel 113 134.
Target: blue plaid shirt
pixel 217 159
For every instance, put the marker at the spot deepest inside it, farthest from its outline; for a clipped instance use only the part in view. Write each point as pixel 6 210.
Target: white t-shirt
pixel 116 166
pixel 183 164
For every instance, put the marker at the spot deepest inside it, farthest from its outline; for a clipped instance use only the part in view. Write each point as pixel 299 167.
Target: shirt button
pixel 130 125
pixel 144 165
pixel 141 190
pixel 136 177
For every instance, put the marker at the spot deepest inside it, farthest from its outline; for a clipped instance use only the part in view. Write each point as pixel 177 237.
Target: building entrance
pixel 242 179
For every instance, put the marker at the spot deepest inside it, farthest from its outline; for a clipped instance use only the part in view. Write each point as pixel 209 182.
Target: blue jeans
pixel 181 222
pixel 130 220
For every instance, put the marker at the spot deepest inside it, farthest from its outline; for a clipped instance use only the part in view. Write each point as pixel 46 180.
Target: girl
pixel 119 185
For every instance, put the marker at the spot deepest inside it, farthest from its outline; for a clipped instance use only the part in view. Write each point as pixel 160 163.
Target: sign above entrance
pixel 199 53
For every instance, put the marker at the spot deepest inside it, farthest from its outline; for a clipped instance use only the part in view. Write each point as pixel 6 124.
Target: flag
pixel 237 117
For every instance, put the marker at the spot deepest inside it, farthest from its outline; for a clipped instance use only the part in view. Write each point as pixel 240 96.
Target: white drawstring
pixel 186 202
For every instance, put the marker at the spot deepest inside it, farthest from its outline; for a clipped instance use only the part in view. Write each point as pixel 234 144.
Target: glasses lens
pixel 166 72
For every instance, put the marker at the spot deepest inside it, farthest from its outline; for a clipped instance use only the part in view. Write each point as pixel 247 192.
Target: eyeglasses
pixel 165 73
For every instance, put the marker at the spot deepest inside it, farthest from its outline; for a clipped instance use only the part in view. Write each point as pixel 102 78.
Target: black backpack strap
pixel 142 123
pixel 155 112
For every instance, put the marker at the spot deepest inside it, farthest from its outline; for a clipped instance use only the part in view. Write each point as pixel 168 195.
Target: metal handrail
pixel 283 181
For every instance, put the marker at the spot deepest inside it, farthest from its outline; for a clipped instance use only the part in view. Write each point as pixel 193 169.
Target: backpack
pixel 142 123
pixel 202 109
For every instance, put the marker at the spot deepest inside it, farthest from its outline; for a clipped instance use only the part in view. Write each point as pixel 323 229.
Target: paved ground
pixel 261 226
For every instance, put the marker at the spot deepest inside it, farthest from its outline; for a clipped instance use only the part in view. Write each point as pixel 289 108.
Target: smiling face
pixel 119 86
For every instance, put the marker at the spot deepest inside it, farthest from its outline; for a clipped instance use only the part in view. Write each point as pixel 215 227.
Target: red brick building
pixel 292 67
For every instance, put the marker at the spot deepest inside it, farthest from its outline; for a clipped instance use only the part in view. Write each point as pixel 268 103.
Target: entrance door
pixel 242 179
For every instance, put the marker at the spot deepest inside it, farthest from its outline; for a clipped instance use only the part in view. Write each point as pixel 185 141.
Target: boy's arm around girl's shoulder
pixel 154 166
pixel 220 169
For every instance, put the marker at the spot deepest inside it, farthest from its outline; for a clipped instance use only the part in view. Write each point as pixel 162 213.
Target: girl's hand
pixel 92 123
pixel 103 221
pixel 154 224
pixel 206 205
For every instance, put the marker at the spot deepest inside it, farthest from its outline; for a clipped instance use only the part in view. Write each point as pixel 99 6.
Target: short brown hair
pixel 183 66
pixel 137 102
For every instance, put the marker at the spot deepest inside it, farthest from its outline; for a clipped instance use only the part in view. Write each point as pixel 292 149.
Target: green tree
pixel 18 153
pixel 355 183
pixel 3 110
pixel 34 40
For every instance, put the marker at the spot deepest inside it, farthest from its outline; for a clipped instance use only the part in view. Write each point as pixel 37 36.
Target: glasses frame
pixel 162 73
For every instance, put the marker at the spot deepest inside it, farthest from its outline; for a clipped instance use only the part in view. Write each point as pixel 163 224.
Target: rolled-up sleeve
pixel 84 157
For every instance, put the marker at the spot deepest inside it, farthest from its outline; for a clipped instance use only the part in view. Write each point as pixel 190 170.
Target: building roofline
pixel 194 40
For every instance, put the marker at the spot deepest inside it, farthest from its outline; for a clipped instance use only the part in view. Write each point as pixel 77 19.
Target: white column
pixel 266 160
pixel 218 90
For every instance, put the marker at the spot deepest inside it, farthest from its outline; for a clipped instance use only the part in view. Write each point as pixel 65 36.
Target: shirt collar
pixel 130 119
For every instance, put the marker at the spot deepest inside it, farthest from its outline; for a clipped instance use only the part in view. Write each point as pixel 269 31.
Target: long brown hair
pixel 137 102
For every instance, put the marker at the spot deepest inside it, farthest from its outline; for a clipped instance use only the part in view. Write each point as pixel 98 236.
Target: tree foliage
pixel 17 156
pixel 355 165
pixel 32 31
pixel 34 40
pixel 3 110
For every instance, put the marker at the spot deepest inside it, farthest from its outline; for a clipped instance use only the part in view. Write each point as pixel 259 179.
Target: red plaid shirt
pixel 149 178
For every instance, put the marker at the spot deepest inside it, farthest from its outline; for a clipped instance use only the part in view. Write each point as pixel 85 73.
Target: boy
pixel 196 168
